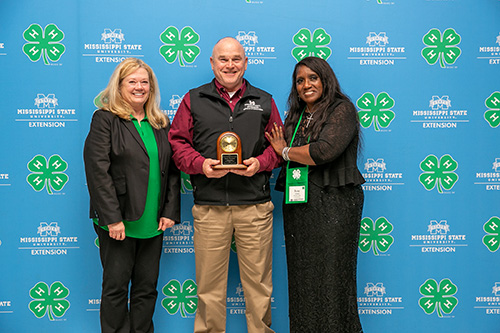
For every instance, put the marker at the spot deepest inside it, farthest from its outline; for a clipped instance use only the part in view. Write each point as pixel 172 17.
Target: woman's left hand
pixel 165 223
pixel 277 139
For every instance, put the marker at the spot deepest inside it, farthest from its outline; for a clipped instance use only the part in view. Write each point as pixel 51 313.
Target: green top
pixel 147 225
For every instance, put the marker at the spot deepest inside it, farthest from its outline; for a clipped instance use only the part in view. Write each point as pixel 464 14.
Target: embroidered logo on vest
pixel 252 106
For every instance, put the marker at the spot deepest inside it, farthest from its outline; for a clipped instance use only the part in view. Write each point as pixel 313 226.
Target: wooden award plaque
pixel 229 151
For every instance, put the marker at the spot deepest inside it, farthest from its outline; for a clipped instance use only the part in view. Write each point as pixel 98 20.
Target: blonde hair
pixel 112 100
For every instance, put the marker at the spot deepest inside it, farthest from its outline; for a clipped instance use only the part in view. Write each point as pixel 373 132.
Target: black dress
pixel 322 235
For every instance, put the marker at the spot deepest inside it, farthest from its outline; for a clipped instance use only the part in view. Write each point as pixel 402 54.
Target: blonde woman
pixel 134 194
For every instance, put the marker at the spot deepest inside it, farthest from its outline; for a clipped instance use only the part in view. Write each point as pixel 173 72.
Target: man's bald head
pixel 229 63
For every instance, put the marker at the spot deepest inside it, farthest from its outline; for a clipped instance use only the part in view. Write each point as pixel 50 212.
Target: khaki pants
pixel 253 231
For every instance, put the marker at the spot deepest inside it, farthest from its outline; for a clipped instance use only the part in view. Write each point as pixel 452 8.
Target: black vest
pixel 211 117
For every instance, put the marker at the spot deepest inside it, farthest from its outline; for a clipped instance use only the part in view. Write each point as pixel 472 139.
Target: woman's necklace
pixel 309 116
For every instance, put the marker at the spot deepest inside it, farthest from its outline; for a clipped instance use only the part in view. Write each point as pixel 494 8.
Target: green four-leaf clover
pixel 492 238
pixel 183 298
pixel 314 45
pixel 376 110
pixel 443 48
pixel 51 301
pixel 492 115
pixel 440 173
pixel 50 174
pixel 43 43
pixel 181 45
pixel 186 183
pixel 375 234
pixel 438 297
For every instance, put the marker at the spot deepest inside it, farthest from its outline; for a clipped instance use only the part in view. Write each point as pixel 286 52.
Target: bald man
pixel 229 201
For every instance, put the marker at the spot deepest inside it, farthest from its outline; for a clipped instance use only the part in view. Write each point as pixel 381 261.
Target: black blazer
pixel 117 171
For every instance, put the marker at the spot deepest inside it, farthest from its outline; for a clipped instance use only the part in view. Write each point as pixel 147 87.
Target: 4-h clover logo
pixel 438 297
pixel 443 48
pixel 43 42
pixel 186 183
pixel 492 115
pixel 375 234
pixel 49 300
pixel 376 110
pixel 296 174
pixel 97 101
pixel 314 45
pixel 183 298
pixel 50 174
pixel 492 238
pixel 440 173
pixel 181 45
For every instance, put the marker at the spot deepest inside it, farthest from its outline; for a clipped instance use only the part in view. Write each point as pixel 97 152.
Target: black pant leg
pixel 143 291
pixel 117 258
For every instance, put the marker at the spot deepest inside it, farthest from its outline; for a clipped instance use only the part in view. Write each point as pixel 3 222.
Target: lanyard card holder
pixel 296 184
pixel 296 177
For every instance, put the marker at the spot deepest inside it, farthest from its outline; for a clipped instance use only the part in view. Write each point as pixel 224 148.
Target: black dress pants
pixel 132 261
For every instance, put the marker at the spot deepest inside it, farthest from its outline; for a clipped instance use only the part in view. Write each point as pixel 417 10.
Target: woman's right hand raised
pixel 277 139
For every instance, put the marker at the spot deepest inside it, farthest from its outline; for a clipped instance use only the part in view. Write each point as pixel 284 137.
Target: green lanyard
pixel 296 178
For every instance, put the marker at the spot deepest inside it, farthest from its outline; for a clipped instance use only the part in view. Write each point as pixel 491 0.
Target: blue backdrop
pixel 424 76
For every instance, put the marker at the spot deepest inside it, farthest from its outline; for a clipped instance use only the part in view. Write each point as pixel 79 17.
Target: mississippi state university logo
pixel 375 235
pixel 179 45
pixel 376 301
pixel 112 46
pixel 49 300
pixel 47 174
pixel 247 39
pixel 112 36
pixel 236 301
pixel 489 303
pixel 438 239
pixel 49 241
pixel 49 101
pixel 257 53
pixel 492 114
pixel 438 173
pixel 179 238
pixel 378 178
pixel 441 47
pixel 43 43
pixel 173 104
pixel 377 51
pixel 375 110
pixel 179 298
pixel 311 45
pixel 51 229
pixel 440 114
pixel 438 297
pixel 47 114
pixel 175 101
pixel 491 53
pixel 489 177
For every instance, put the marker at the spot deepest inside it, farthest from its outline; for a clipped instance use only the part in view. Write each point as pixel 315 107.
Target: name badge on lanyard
pixel 296 178
pixel 296 184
